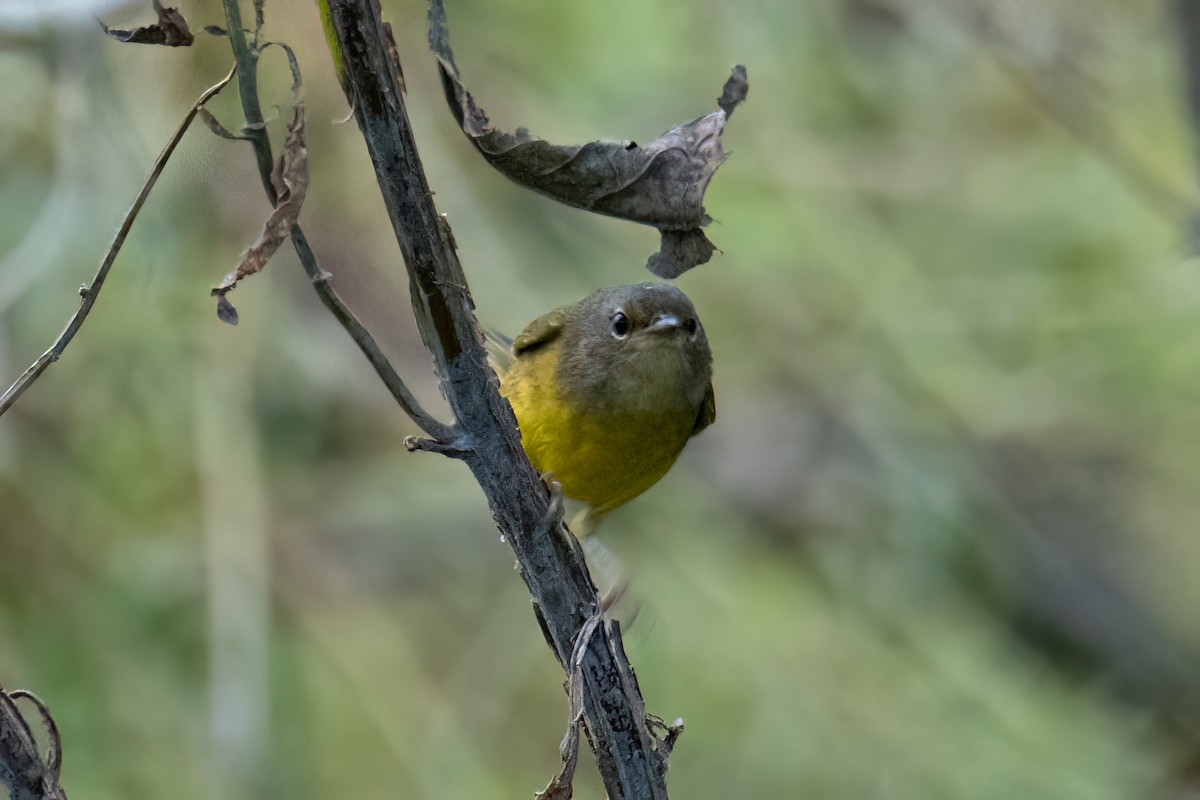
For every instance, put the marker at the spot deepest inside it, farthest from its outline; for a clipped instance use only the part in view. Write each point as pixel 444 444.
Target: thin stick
pixel 91 292
pixel 255 130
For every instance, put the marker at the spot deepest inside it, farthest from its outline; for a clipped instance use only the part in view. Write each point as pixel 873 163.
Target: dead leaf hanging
pixel 290 181
pixel 171 30
pixel 660 184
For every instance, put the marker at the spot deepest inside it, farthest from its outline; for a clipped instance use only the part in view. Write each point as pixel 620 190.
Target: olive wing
pixel 545 328
pixel 708 411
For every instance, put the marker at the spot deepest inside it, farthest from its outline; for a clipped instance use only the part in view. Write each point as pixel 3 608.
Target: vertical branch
pixel 631 762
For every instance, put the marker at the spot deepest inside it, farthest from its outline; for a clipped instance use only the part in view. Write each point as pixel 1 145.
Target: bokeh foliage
pixel 940 543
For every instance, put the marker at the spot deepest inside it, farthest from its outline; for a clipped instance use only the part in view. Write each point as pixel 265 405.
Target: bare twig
pixel 455 448
pixel 91 291
pixel 255 131
pixel 632 764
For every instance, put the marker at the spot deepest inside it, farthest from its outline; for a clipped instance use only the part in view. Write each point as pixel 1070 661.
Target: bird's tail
pixel 499 348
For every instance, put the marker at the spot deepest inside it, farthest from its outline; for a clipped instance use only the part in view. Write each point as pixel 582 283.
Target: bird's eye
pixel 691 326
pixel 620 325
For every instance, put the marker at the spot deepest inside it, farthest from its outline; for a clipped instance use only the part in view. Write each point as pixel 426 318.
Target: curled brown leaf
pixel 660 184
pixel 171 30
pixel 290 182
pixel 290 179
pixel 216 127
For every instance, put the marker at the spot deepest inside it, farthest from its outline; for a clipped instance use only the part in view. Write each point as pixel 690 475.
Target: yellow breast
pixel 603 458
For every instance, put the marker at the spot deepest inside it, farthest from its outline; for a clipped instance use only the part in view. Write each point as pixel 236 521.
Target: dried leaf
pixel 679 252
pixel 735 91
pixel 215 125
pixel 660 184
pixel 561 785
pixel 225 310
pixel 171 30
pixel 290 180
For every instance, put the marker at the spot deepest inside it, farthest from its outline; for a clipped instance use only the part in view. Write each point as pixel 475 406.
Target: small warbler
pixel 609 390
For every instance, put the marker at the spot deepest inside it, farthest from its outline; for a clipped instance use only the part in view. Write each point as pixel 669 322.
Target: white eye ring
pixel 620 325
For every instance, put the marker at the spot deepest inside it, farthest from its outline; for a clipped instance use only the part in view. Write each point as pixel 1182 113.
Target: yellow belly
pixel 603 459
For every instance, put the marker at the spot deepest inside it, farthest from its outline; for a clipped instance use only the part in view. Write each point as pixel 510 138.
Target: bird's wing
pixel 544 329
pixel 708 411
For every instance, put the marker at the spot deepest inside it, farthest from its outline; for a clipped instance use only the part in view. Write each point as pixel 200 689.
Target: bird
pixel 608 391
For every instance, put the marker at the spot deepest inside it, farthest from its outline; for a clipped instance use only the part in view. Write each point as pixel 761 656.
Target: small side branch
pixel 457 448
pixel 91 292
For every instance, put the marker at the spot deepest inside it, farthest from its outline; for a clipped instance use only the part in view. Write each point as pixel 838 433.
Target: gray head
pixel 635 343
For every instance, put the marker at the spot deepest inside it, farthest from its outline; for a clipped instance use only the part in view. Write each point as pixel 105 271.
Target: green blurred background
pixel 941 542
